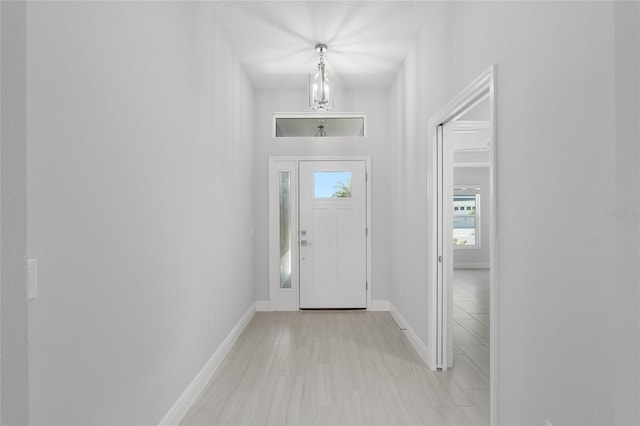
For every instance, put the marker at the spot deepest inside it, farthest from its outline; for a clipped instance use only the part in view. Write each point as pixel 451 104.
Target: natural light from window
pixel 332 184
pixel 466 218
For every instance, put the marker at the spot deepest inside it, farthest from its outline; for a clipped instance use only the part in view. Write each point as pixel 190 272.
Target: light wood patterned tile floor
pixel 471 327
pixel 336 368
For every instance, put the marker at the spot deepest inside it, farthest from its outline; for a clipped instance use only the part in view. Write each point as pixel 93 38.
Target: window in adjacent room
pixel 466 217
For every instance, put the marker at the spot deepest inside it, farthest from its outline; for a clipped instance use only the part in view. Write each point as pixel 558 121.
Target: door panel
pixel 332 235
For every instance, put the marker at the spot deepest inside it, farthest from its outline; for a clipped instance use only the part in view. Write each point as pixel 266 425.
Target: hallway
pixel 335 368
pixel 137 234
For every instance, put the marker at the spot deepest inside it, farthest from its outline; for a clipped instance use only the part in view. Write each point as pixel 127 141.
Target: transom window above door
pixel 335 125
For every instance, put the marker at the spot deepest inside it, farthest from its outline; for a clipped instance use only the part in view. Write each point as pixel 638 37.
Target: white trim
pixel 493 252
pixel 263 306
pixel 177 412
pixel 378 305
pixel 480 87
pixel 471 265
pixel 368 179
pixel 413 337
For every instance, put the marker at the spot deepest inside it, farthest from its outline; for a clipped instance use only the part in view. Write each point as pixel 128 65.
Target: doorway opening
pixel 319 227
pixel 462 285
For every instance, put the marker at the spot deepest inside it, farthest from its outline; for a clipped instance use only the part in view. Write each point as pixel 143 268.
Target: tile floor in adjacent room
pixel 350 368
pixel 471 333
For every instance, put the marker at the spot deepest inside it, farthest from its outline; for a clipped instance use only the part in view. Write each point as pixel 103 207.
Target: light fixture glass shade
pixel 321 88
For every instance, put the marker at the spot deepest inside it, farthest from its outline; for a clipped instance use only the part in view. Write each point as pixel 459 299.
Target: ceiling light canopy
pixel 321 84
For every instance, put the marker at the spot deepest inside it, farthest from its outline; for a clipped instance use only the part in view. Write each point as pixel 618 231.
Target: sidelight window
pixel 285 230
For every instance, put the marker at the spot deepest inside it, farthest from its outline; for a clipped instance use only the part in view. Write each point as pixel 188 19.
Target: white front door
pixel 333 234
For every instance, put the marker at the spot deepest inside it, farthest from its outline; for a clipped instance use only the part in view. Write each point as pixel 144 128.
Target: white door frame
pixel 440 300
pixel 289 299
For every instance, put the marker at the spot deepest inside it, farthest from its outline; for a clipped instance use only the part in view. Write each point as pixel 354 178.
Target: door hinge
pixel 440 259
pixel 366 176
pixel 367 285
pixel 366 231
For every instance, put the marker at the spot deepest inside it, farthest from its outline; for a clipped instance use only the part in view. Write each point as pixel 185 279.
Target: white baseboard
pixel 417 343
pixel 263 306
pixel 378 305
pixel 188 397
pixel 471 265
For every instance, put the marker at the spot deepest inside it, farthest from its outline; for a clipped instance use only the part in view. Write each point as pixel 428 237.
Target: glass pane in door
pixel 285 230
pixel 331 184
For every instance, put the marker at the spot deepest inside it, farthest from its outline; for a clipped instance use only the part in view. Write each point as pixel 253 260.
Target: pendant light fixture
pixel 321 132
pixel 321 84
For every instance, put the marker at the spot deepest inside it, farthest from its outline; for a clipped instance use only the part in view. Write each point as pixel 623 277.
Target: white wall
pixel 556 74
pixel 14 384
pixel 1 281
pixel 140 205
pixel 627 227
pixel 479 257
pixel 376 144
pixel 419 90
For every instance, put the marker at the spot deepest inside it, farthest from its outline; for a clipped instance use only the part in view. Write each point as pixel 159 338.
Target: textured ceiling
pixel 367 41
